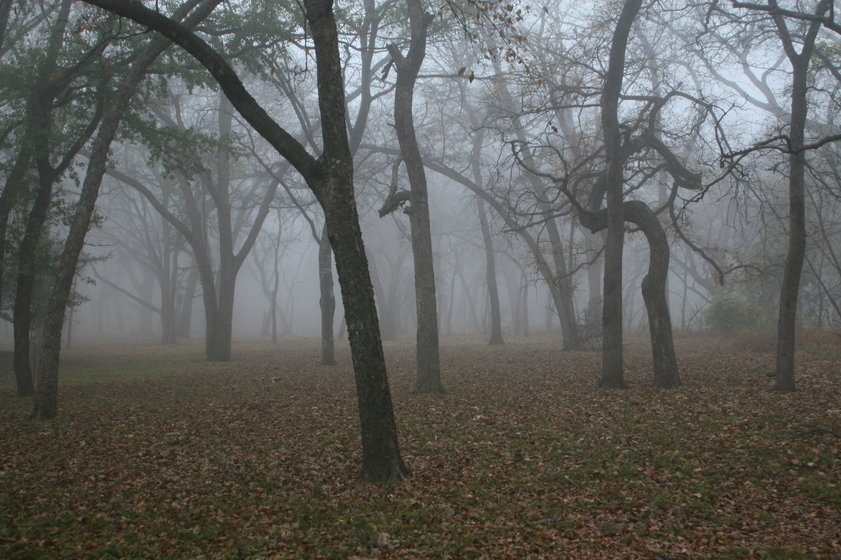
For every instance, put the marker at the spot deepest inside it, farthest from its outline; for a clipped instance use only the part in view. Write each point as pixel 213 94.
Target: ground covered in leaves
pixel 157 454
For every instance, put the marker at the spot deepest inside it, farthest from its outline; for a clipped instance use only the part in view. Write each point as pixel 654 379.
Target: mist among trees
pixel 582 195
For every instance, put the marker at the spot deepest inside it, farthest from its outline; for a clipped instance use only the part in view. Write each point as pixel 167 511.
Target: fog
pixel 511 169
pixel 263 261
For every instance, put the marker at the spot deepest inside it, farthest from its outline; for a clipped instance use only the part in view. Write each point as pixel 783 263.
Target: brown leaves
pixel 522 458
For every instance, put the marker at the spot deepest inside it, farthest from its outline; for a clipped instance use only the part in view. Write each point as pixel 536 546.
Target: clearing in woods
pixel 157 454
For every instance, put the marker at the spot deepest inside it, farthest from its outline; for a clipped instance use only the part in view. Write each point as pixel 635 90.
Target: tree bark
pixel 664 361
pixel 327 301
pixel 185 313
pixel 27 267
pixel 169 287
pixel 39 123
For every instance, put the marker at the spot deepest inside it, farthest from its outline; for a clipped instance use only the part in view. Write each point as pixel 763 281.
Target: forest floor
pixel 158 454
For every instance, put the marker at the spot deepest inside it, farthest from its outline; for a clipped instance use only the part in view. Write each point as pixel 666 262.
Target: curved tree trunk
pixel 654 294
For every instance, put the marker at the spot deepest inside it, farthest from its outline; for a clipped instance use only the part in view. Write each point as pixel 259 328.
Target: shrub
pixel 731 313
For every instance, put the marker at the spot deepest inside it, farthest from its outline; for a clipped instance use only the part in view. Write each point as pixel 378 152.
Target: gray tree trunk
pixel 428 366
pixel 490 276
pixel 787 319
pixel 327 301
pixel 612 357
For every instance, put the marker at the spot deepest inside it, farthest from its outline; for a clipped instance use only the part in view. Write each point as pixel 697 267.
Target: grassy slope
pixel 157 454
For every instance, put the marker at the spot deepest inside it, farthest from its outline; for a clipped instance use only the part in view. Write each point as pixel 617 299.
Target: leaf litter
pixel 523 457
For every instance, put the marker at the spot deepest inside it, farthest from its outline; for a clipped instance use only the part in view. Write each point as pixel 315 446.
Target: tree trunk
pixel 273 305
pixel 327 301
pixel 46 393
pixel 787 319
pixel 169 288
pixel 381 459
pixel 34 144
pixel 490 276
pixel 594 293
pixel 612 358
pixel 22 332
pixel 39 124
pixel 428 366
pixel 391 324
pixel 654 293
pixel 185 314
pixel 29 262
pixel 220 331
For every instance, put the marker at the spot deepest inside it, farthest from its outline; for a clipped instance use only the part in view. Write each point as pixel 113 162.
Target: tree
pixel 794 29
pixel 217 276
pixel 407 67
pixel 46 394
pixel 330 177
pixel 490 273
pixel 145 238
pixel 58 92
pixel 634 139
pixel 800 61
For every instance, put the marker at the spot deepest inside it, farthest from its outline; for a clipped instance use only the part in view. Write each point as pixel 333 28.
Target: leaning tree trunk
pixel 46 392
pixel 381 459
pixel 46 396
pixel 428 366
pixel 327 301
pixel 380 451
